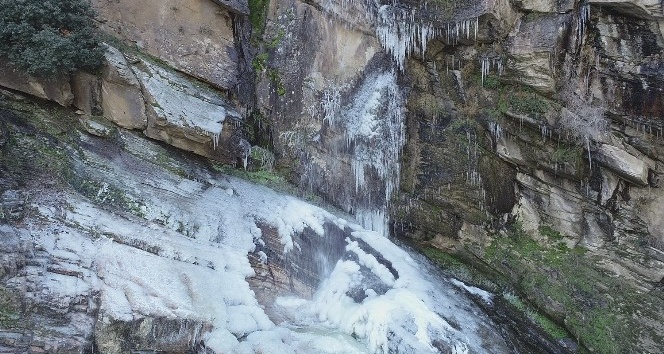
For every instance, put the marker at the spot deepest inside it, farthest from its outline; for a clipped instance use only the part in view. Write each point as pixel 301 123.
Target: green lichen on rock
pixel 542 321
pixel 605 313
pixel 10 311
pixel 458 266
pixel 44 142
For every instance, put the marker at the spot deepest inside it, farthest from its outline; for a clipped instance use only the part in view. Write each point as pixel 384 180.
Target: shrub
pixel 527 102
pixel 49 37
pixel 581 119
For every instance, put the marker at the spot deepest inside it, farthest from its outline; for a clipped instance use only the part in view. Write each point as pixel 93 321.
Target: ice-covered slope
pixel 139 250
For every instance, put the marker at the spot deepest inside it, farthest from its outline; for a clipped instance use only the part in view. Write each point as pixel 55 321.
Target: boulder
pixel 96 128
pixel 56 89
pixel 194 36
pixel 189 116
pixel 622 163
pixel 122 101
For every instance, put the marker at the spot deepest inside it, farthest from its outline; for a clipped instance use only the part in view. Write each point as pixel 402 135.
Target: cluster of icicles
pixel 488 63
pixel 402 35
pixel 215 139
pixel 584 16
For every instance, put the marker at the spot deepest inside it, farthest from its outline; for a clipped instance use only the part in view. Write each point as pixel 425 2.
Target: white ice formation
pixel 183 255
pixel 374 132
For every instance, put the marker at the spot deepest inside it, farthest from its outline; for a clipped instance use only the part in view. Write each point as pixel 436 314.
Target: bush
pixel 49 37
pixel 580 119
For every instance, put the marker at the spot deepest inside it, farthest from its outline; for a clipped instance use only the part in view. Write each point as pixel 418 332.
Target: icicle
pixel 448 33
pixel 400 34
pixel 245 160
pixel 215 139
pixel 483 71
pixel 590 161
pixel 477 20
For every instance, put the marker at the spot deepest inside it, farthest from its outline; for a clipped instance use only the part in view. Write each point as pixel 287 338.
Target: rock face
pixel 194 36
pixel 122 100
pixel 532 51
pixel 57 89
pixel 307 102
pixel 524 136
pixel 536 118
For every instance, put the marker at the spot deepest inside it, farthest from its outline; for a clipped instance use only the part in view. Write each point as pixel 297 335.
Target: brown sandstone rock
pixel 122 100
pixel 195 36
pixel 57 89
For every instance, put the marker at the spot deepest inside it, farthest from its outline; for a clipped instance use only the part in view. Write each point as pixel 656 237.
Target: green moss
pixel 103 193
pixel 550 233
pixel 462 125
pixel 567 155
pixel 263 177
pixel 503 106
pixel 275 78
pixel 10 313
pixel 257 15
pixel 542 321
pixel 457 266
pixel 492 82
pixel 48 145
pixel 260 62
pixel 274 42
pixel 441 258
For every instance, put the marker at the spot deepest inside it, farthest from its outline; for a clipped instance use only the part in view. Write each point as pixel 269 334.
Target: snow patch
pixel 483 294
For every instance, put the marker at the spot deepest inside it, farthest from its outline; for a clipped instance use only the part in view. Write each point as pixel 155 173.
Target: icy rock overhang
pixel 404 28
pixel 188 115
